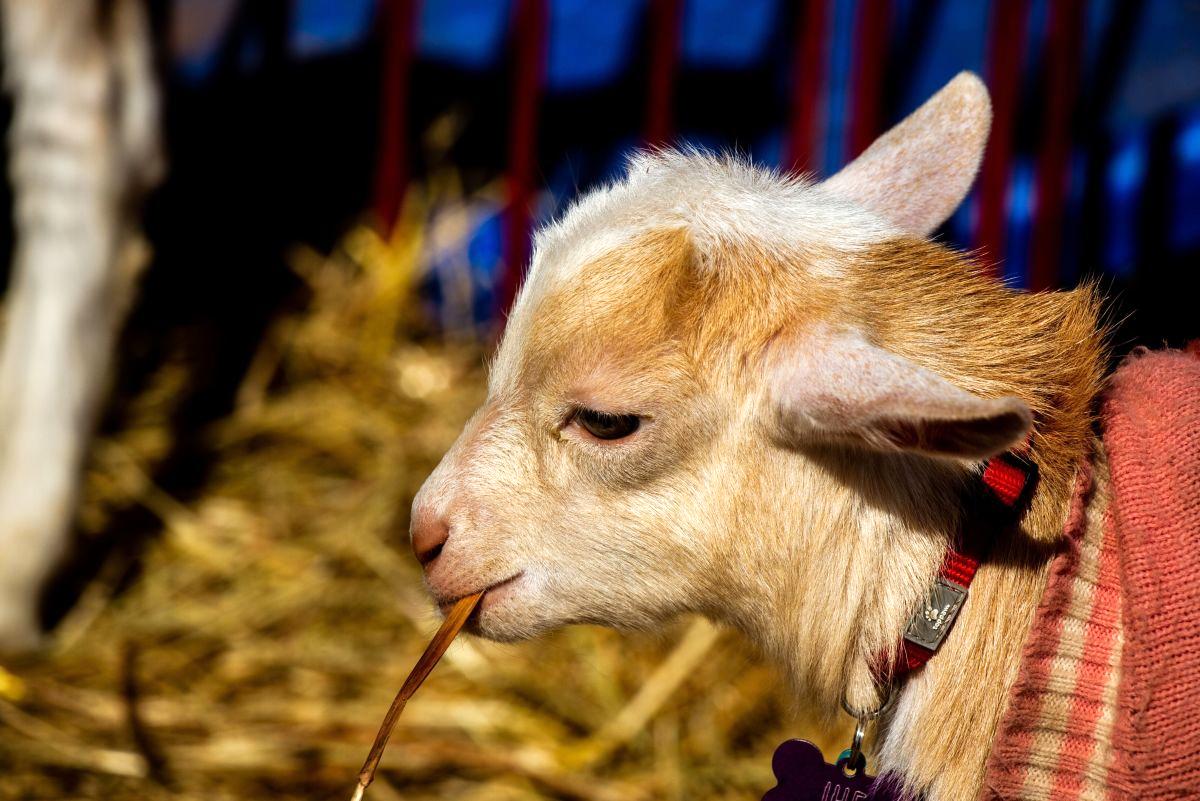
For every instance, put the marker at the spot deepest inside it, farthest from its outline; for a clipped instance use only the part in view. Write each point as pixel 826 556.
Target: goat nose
pixel 429 534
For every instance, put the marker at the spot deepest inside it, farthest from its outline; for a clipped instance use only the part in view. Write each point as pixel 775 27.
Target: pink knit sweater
pixel 1107 703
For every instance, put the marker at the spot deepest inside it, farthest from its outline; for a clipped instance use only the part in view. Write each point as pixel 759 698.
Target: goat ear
pixel 916 174
pixel 840 387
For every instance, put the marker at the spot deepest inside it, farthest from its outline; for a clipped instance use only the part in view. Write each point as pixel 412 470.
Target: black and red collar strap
pixel 1001 496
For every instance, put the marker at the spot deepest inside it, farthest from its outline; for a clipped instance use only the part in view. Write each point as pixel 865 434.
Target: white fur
pixel 723 202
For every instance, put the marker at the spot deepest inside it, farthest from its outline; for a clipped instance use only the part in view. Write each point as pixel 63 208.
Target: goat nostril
pixel 425 557
pixel 429 535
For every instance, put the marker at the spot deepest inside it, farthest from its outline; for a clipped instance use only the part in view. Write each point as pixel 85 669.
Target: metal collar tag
pixel 933 619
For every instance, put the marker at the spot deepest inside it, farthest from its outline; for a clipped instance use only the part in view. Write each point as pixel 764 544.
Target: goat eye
pixel 603 425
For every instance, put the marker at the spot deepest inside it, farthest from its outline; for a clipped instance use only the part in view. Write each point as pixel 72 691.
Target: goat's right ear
pixel 830 386
pixel 917 174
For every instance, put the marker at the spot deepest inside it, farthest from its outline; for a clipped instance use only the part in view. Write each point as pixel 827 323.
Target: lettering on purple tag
pixel 804 775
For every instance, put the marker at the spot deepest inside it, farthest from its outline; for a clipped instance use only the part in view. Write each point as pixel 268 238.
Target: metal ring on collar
pixel 870 714
pixel 854 761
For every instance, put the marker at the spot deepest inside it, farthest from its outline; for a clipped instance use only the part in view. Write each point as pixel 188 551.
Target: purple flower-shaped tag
pixel 804 775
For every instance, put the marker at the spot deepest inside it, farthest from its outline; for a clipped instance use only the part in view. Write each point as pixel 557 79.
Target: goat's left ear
pixel 838 386
pixel 916 174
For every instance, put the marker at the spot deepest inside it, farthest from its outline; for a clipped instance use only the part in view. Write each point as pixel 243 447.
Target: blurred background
pixel 321 267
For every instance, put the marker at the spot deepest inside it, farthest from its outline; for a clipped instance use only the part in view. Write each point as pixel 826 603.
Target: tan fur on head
pixel 814 387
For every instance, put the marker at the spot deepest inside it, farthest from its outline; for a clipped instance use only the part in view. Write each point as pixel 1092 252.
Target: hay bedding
pixel 272 620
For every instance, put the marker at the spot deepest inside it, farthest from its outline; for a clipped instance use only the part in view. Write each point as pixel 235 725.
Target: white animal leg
pixel 83 149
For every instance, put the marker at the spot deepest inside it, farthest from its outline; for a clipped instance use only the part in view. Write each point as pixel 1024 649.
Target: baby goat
pixel 757 398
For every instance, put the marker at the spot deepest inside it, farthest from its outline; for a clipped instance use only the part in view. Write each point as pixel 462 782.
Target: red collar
pixel 1000 497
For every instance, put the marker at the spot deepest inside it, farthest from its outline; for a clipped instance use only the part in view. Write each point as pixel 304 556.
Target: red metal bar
pixel 665 19
pixel 870 57
pixel 808 75
pixel 1064 54
pixel 398 19
pixel 1006 48
pixel 530 22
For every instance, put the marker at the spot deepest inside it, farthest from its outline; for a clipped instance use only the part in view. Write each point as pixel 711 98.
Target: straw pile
pixel 257 646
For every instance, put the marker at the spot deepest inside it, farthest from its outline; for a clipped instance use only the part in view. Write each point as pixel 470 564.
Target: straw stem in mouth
pixel 456 618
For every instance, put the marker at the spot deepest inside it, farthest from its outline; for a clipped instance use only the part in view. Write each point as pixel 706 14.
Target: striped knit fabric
pixel 1107 704
pixel 1055 741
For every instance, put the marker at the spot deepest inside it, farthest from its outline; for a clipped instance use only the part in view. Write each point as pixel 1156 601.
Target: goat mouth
pixel 444 604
